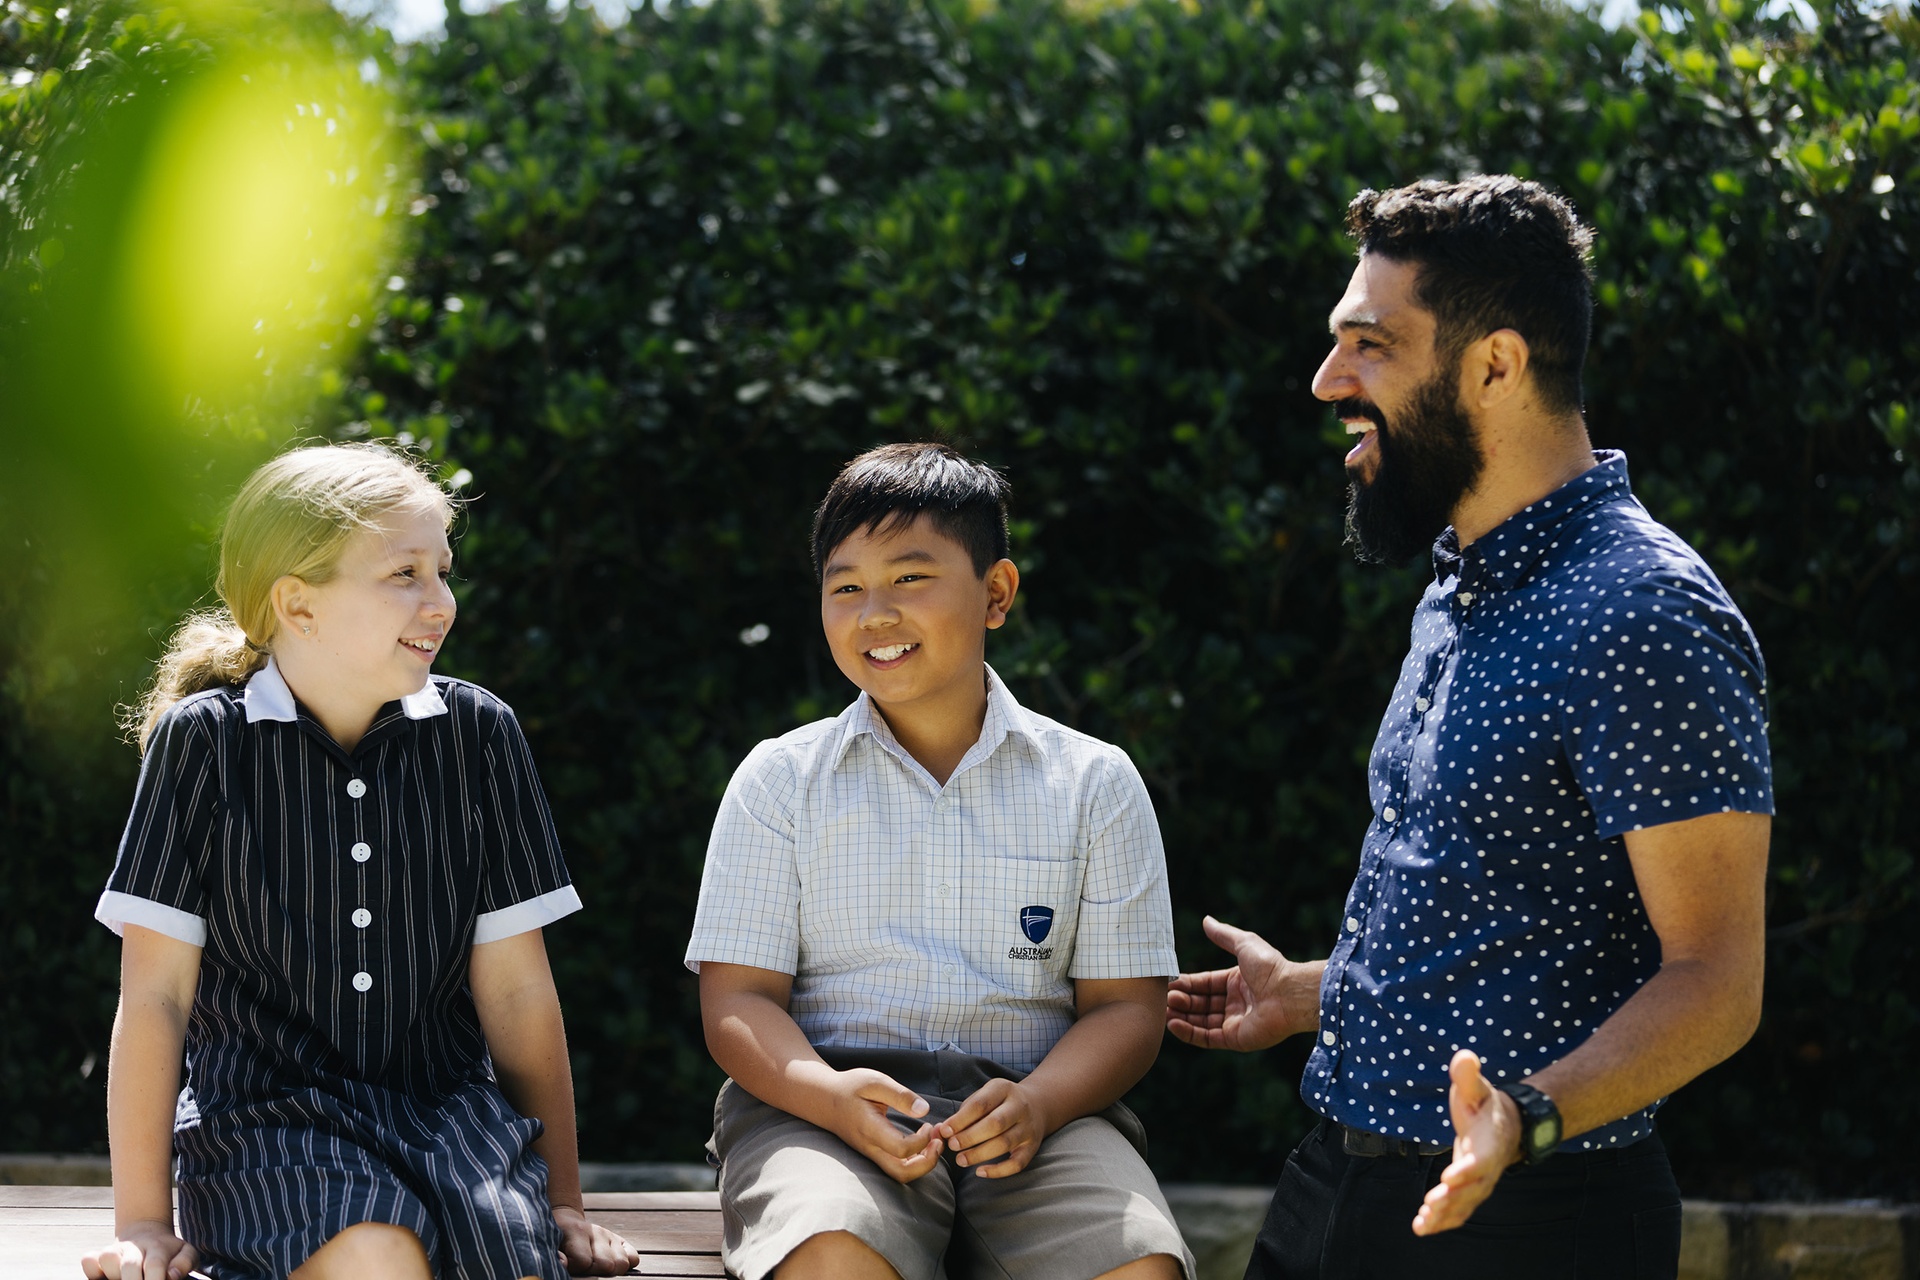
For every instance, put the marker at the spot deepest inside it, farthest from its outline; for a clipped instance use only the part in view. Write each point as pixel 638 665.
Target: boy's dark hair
pixel 1492 252
pixel 887 487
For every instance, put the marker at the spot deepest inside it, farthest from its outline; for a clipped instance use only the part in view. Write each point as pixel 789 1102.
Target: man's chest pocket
pixel 1024 918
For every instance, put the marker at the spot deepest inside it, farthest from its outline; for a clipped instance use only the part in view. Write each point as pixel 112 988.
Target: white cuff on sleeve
pixel 118 910
pixel 521 917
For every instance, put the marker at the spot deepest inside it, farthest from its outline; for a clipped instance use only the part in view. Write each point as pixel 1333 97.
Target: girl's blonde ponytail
pixel 206 651
pixel 292 516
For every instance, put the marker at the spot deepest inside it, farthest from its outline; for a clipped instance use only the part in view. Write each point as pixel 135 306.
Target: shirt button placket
pixel 362 853
pixel 940 1025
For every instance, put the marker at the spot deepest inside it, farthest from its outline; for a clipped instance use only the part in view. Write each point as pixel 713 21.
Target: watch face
pixel 1545 1134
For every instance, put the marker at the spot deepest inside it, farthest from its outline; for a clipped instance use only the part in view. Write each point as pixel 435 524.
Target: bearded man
pixel 1557 919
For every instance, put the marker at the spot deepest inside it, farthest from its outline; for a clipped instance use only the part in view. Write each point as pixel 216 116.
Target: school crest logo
pixel 1036 923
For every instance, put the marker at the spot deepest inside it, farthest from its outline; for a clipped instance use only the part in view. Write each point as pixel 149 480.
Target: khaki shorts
pixel 1085 1205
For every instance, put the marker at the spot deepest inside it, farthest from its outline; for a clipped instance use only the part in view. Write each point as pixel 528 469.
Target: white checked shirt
pixel 917 916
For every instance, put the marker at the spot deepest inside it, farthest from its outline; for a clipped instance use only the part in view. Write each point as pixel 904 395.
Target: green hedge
pixel 667 277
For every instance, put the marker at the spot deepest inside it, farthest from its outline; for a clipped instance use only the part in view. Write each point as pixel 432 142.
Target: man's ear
pixel 292 601
pixel 1494 369
pixel 1003 584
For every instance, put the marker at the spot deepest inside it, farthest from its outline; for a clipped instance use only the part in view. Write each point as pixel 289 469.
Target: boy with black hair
pixel 933 936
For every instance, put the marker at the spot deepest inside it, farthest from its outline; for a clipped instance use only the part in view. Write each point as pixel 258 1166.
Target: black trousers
pixel 1578 1215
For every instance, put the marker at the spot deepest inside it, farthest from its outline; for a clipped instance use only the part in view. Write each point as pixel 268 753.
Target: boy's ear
pixel 1003 584
pixel 292 605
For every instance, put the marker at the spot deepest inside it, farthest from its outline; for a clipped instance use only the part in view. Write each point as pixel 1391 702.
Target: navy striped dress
pixel 336 1072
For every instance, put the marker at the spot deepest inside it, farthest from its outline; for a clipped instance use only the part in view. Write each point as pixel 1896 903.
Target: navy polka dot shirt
pixel 1576 674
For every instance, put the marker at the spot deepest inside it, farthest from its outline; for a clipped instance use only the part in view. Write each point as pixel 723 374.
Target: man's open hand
pixel 1486 1139
pixel 861 1100
pixel 1256 1004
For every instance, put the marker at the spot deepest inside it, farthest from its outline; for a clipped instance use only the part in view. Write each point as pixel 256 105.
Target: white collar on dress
pixel 268 698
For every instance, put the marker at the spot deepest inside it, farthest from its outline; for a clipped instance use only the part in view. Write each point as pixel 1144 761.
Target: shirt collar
pixel 1507 557
pixel 1005 717
pixel 268 697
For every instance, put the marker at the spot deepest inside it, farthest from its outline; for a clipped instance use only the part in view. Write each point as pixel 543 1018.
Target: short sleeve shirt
pixel 1575 675
pixel 919 916
pixel 336 895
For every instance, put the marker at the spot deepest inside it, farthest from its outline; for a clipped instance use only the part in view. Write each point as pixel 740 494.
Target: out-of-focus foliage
pixel 195 202
pixel 668 277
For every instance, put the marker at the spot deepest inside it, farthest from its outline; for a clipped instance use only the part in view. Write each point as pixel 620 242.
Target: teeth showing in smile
pixel 887 653
pixel 424 646
pixel 1359 428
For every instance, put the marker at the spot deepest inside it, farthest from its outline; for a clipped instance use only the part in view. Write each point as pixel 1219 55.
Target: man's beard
pixel 1427 462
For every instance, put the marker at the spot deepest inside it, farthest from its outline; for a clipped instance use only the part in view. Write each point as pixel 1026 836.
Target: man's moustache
pixel 1354 407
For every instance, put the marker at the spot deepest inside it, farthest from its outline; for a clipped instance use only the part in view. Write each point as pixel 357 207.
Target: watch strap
pixel 1540 1123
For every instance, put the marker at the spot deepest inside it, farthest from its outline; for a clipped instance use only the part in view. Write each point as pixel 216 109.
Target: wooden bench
pixel 44 1230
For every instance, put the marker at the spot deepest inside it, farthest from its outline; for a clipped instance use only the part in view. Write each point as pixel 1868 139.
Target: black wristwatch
pixel 1539 1122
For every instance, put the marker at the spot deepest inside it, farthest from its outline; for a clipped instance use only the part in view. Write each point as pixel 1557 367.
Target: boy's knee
pixel 368 1248
pixel 834 1255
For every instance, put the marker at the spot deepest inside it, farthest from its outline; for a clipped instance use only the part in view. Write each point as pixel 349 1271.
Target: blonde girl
pixel 330 894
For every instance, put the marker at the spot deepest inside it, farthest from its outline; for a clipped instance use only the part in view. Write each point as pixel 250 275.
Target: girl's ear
pixel 293 605
pixel 1003 584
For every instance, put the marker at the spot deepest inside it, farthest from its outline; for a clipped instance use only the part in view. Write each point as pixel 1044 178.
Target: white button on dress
pixel 1390 813
pixel 1326 1037
pixel 356 788
pixel 1353 926
pixel 362 851
pixel 363 981
pixel 1421 704
pixel 362 918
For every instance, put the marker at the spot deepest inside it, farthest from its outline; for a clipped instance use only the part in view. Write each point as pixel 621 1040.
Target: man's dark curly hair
pixel 1492 252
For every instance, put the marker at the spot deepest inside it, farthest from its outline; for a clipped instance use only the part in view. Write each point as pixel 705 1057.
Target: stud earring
pixel 306 631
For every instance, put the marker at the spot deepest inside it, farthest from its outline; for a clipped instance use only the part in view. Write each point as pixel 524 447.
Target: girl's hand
pixel 591 1249
pixel 146 1250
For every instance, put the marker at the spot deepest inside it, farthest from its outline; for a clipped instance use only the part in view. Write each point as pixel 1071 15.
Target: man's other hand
pixel 1256 1004
pixel 1486 1139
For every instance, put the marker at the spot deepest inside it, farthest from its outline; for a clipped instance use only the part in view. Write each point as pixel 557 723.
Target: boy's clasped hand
pixel 863 1098
pixel 995 1132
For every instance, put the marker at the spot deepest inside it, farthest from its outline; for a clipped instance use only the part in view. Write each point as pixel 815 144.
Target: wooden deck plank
pixel 44 1230
pixel 653 1200
pixel 12 1197
pixel 701 1266
pixel 53 1216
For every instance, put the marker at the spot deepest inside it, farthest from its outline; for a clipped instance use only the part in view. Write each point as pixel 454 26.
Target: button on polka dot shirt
pixel 1576 674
